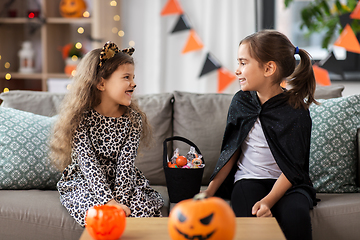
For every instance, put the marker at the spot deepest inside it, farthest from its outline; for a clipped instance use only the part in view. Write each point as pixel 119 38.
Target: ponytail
pixel 271 45
pixel 302 82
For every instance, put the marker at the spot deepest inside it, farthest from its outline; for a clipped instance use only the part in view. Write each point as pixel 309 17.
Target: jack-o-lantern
pixel 105 222
pixel 205 218
pixel 72 8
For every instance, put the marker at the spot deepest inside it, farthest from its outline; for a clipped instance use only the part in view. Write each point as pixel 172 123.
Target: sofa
pixel 29 203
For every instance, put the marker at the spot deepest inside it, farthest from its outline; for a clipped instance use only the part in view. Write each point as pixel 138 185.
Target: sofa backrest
pixel 199 117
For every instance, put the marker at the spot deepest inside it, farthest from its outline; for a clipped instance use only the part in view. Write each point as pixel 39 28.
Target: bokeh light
pixel 121 33
pixel 113 3
pixel 80 30
pixel 131 43
pixel 8 76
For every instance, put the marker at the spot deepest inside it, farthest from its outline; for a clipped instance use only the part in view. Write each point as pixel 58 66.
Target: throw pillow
pixel 333 161
pixel 24 162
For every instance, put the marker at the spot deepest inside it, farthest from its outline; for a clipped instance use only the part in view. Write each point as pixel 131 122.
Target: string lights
pixel 80 30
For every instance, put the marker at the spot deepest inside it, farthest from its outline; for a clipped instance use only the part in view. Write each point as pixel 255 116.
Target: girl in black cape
pixel 264 163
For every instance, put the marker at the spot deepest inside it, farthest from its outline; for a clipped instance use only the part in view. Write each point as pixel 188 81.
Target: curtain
pixel 159 64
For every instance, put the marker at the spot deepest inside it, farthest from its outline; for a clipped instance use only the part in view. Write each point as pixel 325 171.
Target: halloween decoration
pixel 105 222
pixel 72 8
pixel 202 218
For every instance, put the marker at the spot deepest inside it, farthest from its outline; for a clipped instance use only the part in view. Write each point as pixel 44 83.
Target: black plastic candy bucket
pixel 182 183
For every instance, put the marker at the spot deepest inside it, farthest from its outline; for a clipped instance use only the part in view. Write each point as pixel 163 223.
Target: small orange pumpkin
pixel 72 8
pixel 204 218
pixel 105 222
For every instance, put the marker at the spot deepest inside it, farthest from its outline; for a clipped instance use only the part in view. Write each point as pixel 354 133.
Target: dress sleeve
pixel 90 166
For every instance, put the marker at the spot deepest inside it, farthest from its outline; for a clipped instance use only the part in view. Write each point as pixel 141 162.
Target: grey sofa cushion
pixel 35 214
pixel 42 103
pixel 158 109
pixel 326 92
pixel 336 217
pixel 201 118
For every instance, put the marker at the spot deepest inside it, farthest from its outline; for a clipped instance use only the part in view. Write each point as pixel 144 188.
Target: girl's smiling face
pixel 118 88
pixel 249 71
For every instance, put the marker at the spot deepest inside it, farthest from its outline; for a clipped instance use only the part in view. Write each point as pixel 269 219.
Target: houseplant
pixel 324 15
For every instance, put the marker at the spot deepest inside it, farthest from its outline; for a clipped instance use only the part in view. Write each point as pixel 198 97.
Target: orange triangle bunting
pixel 321 76
pixel 193 43
pixel 172 7
pixel 348 40
pixel 356 13
pixel 225 78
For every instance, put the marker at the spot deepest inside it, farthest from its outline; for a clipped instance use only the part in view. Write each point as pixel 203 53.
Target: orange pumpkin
pixel 105 222
pixel 72 8
pixel 205 218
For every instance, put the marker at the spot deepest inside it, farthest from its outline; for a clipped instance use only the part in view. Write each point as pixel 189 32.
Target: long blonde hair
pixel 83 96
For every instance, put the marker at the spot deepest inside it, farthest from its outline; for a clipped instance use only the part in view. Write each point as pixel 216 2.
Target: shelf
pixel 18 75
pixel 20 20
pixel 48 34
pixel 69 20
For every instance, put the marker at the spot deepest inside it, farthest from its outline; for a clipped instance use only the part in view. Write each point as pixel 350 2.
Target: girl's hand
pixel 261 209
pixel 119 205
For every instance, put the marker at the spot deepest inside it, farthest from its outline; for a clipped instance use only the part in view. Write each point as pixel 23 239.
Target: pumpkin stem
pixel 200 196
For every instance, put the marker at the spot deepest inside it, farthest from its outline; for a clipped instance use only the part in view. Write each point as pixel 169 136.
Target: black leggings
pixel 291 211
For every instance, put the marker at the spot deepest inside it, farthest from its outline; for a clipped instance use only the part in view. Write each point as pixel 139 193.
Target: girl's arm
pixel 262 207
pixel 221 175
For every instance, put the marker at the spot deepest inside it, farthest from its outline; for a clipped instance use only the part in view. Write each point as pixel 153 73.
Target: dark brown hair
pixel 271 45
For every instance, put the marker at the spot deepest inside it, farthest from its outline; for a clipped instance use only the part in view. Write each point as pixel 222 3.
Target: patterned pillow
pixel 333 161
pixel 23 151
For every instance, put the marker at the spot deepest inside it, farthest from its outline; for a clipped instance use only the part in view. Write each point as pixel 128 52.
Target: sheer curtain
pixel 159 64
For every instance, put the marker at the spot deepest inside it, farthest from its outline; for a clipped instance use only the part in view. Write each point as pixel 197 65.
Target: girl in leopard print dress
pixel 96 138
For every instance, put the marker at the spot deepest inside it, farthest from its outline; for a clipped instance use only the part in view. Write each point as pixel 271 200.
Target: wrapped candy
pixel 194 160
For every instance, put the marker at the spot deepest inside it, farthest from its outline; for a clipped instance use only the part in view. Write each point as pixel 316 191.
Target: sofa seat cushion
pixel 35 214
pixel 335 212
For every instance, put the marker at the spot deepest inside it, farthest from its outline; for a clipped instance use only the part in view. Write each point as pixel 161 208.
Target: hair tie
pixel 110 49
pixel 296 50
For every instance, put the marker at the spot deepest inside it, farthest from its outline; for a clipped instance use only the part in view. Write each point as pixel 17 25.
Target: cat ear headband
pixel 110 49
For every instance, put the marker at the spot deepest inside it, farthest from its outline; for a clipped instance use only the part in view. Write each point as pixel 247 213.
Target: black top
pixel 287 132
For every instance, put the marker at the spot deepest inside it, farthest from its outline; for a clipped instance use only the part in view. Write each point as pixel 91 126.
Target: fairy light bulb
pixel 7 65
pixel 80 30
pixel 86 14
pixel 131 43
pixel 116 18
pixel 8 76
pixel 78 45
pixel 115 30
pixel 121 33
pixel 113 3
pixel 6 89
pixel 74 58
pixel 73 72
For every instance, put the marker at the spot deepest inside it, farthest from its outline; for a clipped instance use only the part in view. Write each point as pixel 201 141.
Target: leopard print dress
pixel 102 168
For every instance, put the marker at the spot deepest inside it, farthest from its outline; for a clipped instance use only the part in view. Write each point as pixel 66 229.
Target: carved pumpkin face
pixel 204 219
pixel 105 222
pixel 72 8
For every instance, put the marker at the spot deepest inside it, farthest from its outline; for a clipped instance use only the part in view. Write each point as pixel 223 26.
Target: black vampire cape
pixel 287 131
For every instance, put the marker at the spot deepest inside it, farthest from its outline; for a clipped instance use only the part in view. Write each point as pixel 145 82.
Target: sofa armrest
pixel 358 156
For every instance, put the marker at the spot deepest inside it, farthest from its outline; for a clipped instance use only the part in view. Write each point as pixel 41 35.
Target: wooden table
pixel 156 229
